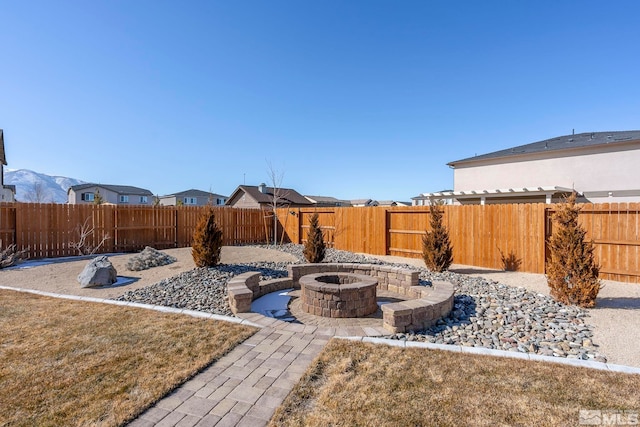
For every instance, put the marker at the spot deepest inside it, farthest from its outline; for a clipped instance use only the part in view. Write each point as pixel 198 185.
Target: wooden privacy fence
pixel 49 230
pixel 480 235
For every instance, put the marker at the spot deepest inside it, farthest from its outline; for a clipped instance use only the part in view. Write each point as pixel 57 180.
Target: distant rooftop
pixel 559 143
pixel 193 193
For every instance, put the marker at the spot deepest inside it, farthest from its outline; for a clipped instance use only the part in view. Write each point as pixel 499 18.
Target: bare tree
pixel 278 196
pixel 85 233
pixel 38 194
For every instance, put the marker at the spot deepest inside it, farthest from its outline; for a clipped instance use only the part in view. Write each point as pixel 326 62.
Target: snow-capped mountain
pixel 38 187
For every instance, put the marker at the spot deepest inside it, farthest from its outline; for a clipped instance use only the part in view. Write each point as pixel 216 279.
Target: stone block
pixel 393 329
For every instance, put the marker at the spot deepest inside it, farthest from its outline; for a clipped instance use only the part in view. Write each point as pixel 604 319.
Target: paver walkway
pixel 245 387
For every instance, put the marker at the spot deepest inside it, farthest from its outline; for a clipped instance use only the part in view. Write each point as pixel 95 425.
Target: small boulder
pixel 99 272
pixel 149 258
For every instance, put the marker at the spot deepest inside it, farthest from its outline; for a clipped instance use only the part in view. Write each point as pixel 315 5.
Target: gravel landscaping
pixel 486 313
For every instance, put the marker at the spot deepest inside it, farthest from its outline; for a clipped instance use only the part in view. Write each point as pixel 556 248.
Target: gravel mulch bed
pixel 486 313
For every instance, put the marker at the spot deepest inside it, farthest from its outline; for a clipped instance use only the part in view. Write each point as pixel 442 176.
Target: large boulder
pixel 99 272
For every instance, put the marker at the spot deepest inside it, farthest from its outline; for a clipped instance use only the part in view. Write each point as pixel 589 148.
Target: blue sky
pixel 351 99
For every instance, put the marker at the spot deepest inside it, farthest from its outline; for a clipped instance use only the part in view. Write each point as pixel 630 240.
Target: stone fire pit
pixel 338 294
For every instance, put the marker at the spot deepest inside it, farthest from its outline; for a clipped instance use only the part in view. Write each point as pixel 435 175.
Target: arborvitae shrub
pixel 572 273
pixel 314 247
pixel 207 241
pixel 436 247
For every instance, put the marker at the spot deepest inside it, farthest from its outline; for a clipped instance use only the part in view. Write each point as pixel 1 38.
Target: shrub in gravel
pixel 207 240
pixel 314 247
pixel 572 273
pixel 436 246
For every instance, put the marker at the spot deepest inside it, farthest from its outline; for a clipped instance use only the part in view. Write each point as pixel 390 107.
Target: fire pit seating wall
pixel 425 304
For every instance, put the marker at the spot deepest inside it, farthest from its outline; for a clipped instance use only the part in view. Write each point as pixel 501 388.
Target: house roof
pixel 588 139
pixel 322 199
pixel 193 193
pixel 119 189
pixel 364 202
pixel 3 160
pixel 286 195
pixel 327 200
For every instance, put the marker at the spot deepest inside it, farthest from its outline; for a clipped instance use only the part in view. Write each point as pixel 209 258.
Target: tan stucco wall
pixel 6 195
pixel 589 170
pixel 168 201
pixel 244 201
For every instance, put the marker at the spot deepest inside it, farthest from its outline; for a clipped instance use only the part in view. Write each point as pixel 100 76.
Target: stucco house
pixel 192 198
pixel 7 192
pixel 601 166
pixel 261 197
pixel 112 194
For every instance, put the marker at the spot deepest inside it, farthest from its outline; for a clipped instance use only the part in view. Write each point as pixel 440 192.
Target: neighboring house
pixel 192 198
pixel 261 197
pixel 112 194
pixel 392 203
pixel 7 192
pixel 363 202
pixel 601 166
pixel 323 201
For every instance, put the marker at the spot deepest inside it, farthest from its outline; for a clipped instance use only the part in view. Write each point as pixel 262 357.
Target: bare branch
pixel 277 196
pixel 38 194
pixel 10 256
pixel 85 231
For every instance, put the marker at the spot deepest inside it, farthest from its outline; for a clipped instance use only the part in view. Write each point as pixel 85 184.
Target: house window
pixel 124 199
pixel 220 202
pixel 190 201
pixel 87 197
pixel 143 199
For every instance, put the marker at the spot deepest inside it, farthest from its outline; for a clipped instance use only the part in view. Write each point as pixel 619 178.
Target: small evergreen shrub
pixel 436 247
pixel 207 240
pixel 572 273
pixel 314 247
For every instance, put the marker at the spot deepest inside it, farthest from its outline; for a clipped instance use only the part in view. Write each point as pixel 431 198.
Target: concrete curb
pixel 498 353
pixel 159 308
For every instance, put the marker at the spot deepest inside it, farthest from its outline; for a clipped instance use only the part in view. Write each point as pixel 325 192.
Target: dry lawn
pixel 74 363
pixel 357 384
